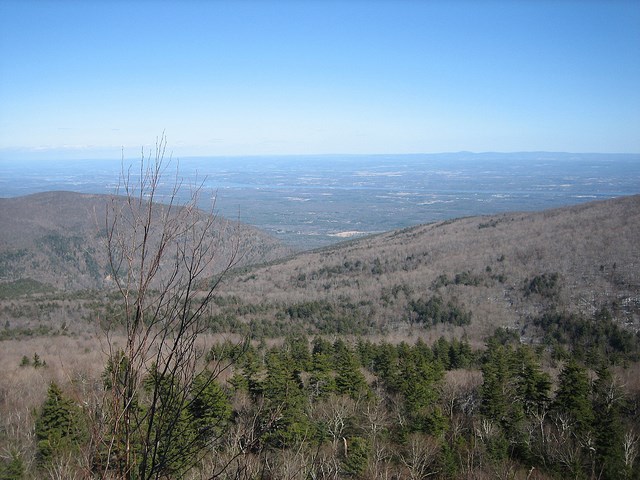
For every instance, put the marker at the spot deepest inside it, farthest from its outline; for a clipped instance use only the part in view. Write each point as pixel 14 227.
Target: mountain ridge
pixel 503 270
pixel 491 265
pixel 58 238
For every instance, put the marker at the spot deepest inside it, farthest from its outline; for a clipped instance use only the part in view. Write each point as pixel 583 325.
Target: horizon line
pixel 42 154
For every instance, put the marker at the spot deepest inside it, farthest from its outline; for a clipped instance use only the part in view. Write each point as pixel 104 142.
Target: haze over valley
pixel 311 201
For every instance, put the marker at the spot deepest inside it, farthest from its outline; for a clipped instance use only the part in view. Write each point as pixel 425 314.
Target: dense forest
pixel 321 408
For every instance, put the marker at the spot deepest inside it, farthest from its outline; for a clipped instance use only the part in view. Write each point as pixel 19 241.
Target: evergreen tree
pixel 209 408
pixel 608 430
pixel 322 381
pixel 441 352
pixel 497 390
pixel 532 384
pixel 385 362
pixel 172 436
pixel 320 345
pixel 59 426
pixel 13 468
pixel 285 403
pixel 366 353
pixel 419 382
pixel 502 402
pixel 356 457
pixel 349 379
pixel 249 378
pixel 532 387
pixel 460 354
pixel 573 396
pixel 296 349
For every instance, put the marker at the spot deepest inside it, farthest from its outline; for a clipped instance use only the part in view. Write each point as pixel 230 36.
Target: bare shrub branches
pixel 159 255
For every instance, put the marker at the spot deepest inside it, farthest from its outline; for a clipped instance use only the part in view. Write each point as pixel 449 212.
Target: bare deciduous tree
pixel 161 247
pixel 630 451
pixel 420 456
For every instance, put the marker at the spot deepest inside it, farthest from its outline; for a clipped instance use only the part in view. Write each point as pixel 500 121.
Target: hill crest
pixel 494 266
pixel 58 238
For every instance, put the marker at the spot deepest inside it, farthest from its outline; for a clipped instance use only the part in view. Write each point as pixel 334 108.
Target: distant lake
pixel 311 201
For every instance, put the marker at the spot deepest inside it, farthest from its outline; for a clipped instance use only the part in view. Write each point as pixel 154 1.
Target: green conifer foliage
pixel 169 428
pixel 419 380
pixel 608 429
pixel 322 380
pixel 209 408
pixel 285 403
pixel 349 379
pixel 297 351
pixel 59 426
pixel 573 396
pixel 356 457
pixel 441 352
pixel 514 393
pixel 532 384
pixel 497 391
pixel 248 376
pixel 13 468
pixel 385 361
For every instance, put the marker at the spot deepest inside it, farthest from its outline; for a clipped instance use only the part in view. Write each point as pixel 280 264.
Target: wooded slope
pixel 58 238
pixel 504 269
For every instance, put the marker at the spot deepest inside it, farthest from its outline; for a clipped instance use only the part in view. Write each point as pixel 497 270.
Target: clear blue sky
pixel 83 78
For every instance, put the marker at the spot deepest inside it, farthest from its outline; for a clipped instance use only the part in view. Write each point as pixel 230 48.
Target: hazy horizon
pixel 12 155
pixel 320 199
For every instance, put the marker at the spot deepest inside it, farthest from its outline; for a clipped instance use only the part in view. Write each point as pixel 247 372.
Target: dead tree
pixel 161 248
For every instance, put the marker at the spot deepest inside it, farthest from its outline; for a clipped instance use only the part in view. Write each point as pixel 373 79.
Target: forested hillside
pixel 484 347
pixel 468 275
pixel 58 239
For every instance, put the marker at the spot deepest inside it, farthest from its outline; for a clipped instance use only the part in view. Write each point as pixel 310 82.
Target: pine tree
pixel 59 426
pixel 285 403
pixel 13 468
pixel 170 428
pixel 297 351
pixel 249 377
pixel 356 456
pixel 210 409
pixel 419 380
pixel 573 396
pixel 607 426
pixel 441 352
pixel 533 385
pixel 322 381
pixel 385 362
pixel 349 379
pixel 497 387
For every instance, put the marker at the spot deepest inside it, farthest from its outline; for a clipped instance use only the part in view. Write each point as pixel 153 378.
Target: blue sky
pixel 83 79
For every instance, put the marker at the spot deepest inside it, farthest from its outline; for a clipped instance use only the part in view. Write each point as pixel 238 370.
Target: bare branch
pixel 160 255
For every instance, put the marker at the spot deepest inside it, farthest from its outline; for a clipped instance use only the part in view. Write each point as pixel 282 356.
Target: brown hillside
pixel 492 266
pixel 502 270
pixel 57 238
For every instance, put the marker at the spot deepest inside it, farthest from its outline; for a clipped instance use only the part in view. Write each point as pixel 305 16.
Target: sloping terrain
pixel 503 270
pixel 459 277
pixel 575 266
pixel 58 239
